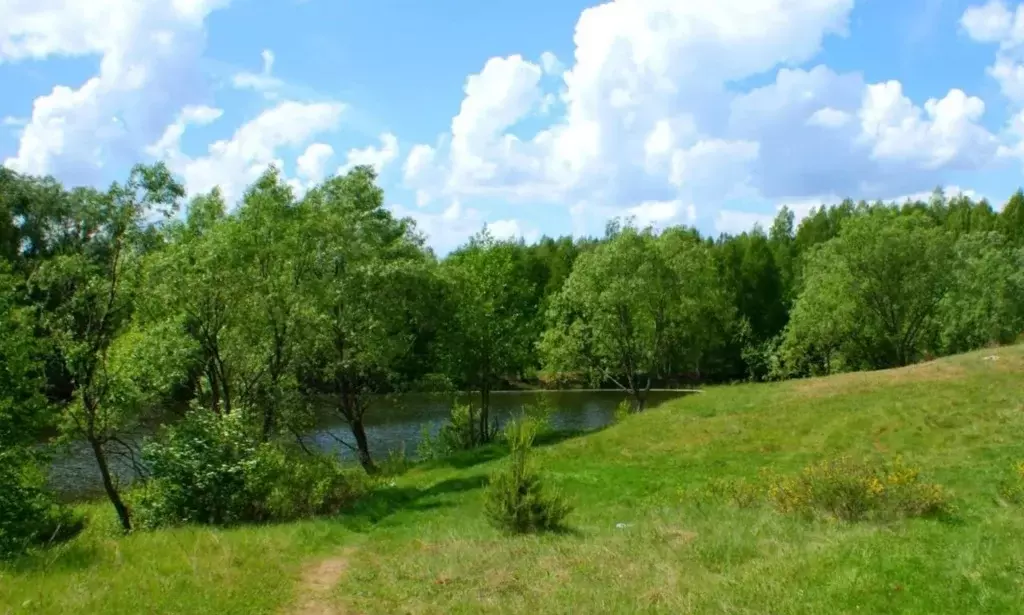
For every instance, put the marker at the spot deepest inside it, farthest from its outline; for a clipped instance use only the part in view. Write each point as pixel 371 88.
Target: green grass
pixel 422 545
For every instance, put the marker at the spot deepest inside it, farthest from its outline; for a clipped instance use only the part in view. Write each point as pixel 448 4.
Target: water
pixel 391 424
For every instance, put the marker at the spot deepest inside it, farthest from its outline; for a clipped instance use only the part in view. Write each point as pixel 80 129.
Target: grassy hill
pixel 643 539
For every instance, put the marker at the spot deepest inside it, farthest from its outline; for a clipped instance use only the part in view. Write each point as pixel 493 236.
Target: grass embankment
pixel 642 540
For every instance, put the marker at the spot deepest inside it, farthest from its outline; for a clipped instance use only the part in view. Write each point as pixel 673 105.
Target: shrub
pixel 287 484
pixel 516 500
pixel 28 514
pixel 396 463
pixel 209 469
pixel 459 433
pixel 854 491
pixel 623 410
pixel 1012 489
pixel 737 491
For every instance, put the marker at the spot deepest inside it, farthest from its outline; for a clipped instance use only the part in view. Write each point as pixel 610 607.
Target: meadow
pixel 646 536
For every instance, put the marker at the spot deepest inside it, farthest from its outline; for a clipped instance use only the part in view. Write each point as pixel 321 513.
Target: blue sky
pixel 532 117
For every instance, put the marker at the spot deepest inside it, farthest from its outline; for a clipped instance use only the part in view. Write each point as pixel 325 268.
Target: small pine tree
pixel 516 500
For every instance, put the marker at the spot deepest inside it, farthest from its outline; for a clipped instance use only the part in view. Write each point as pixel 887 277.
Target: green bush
pixel 516 500
pixel 28 514
pixel 623 410
pixel 854 491
pixel 459 433
pixel 209 469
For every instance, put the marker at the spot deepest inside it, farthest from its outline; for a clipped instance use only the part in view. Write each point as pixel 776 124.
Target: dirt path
pixel 315 587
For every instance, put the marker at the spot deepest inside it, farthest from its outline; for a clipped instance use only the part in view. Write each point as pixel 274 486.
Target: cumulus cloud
pixel 456 223
pixel 149 54
pixel 649 119
pixel 234 163
pixel 376 157
pixel 263 82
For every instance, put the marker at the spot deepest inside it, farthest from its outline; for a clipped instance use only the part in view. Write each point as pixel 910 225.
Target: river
pixel 391 424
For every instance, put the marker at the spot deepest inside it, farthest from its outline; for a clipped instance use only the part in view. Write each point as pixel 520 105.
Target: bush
pixel 1012 489
pixel 209 469
pixel 623 410
pixel 516 500
pixel 459 433
pixel 737 491
pixel 28 514
pixel 852 491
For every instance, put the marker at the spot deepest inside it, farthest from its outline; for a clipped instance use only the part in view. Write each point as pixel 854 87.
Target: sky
pixel 529 117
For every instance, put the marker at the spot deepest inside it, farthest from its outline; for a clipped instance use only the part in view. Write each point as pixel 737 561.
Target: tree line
pixel 127 306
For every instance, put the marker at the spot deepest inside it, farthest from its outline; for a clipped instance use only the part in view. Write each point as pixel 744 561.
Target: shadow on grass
pixel 387 501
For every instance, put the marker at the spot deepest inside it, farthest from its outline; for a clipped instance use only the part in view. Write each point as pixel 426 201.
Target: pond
pixel 392 424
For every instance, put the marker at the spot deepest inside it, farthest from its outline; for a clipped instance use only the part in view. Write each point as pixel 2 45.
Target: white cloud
pixel 947 131
pixel 989 23
pixel 455 224
pixel 662 213
pixel 550 63
pixel 17 122
pixel 512 229
pixel 149 69
pixel 311 164
pixel 234 163
pixel 376 157
pixel 736 222
pixel 263 82
pixel 827 117
pixel 649 118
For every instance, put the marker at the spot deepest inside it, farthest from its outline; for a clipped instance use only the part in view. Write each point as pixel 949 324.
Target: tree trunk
pixel 211 376
pixel 362 445
pixel 485 406
pixel 268 422
pixel 108 486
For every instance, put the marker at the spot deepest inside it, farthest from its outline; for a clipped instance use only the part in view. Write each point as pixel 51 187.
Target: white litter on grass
pixel 991 357
pixel 622 526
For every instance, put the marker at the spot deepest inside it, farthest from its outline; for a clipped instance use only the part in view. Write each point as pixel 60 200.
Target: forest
pixel 232 326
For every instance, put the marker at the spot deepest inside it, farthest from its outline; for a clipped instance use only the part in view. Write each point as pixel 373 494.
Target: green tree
pixel 92 293
pixel 986 300
pixel 1011 219
pixel 627 310
pixel 368 273
pixel 491 317
pixel 871 295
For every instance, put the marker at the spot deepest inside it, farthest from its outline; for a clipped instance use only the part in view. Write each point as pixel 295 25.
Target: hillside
pixel 642 539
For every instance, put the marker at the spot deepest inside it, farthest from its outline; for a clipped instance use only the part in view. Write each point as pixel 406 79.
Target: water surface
pixel 394 423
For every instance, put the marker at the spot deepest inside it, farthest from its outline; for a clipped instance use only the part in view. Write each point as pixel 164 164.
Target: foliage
pixel 212 469
pixel 516 499
pixel 28 514
pixel 635 308
pixel 491 317
pixel 871 296
pixel 622 410
pixel 853 491
pixel 986 302
pixel 366 292
pixel 460 432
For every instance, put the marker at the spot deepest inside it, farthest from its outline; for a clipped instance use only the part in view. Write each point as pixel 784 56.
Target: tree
pixel 986 299
pixel 92 293
pixel 364 291
pixel 871 295
pixel 198 258
pixel 269 264
pixel 1011 219
pixel 630 307
pixel 491 313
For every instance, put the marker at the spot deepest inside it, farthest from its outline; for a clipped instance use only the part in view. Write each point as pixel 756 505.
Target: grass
pixel 643 540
